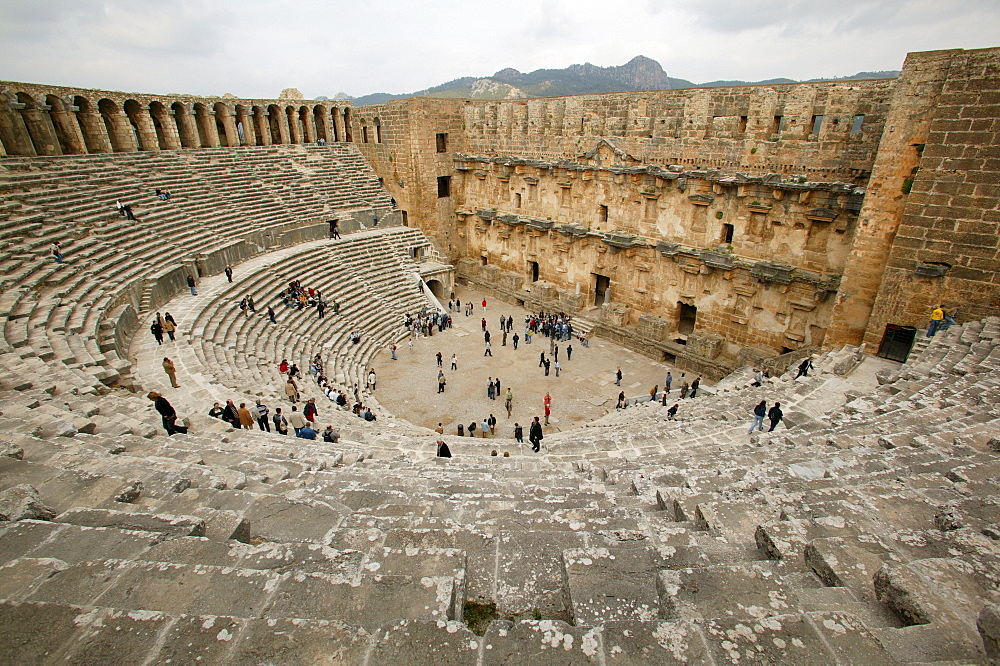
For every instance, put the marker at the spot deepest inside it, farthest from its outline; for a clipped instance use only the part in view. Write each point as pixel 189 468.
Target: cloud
pixel 254 48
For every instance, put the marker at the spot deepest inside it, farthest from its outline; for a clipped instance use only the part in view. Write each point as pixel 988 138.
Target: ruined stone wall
pixel 38 119
pixel 408 157
pixel 754 129
pixel 947 247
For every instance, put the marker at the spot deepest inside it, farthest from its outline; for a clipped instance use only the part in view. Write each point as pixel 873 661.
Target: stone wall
pixel 54 120
pixel 947 247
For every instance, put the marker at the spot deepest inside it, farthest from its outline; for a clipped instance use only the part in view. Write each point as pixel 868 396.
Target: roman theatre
pixel 708 232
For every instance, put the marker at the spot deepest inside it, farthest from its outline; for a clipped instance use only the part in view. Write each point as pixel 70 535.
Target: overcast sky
pixel 255 48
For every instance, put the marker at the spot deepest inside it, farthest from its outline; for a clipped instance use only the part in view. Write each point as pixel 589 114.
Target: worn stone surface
pixel 23 503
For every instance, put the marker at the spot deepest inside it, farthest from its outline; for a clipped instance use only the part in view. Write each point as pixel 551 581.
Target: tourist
pixel 156 328
pixel 334 228
pixel 441 382
pixel 547 364
pixel 330 435
pixel 291 390
pixel 392 351
pixel 775 415
pixel 262 421
pixel 618 376
pixel 621 401
pixel 672 412
pixel 439 429
pixel 518 433
pixel 758 379
pixel 309 411
pixel 685 387
pixel 804 367
pixel 246 418
pixel 569 352
pixel 216 412
pixel 949 320
pixel 652 393
pixel 515 340
pixel 297 420
pixel 491 389
pixel 169 326
pixel 280 422
pixel 492 423
pixel 168 367
pixel 472 429
pixel 558 367
pixel 759 412
pixel 191 285
pixel 231 415
pixel 694 386
pixel 167 414
pixel 667 382
pixel 489 349
pixel 535 435
pixel 508 401
pixel 229 273
pixel 442 449
pixel 305 432
pixel 371 380
pixel 440 360
pixel 454 362
pixel 270 315
pixel 484 426
pixel 937 318
pixel 57 252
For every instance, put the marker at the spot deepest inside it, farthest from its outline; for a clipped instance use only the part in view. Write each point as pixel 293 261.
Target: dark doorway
pixel 444 186
pixel 441 139
pixel 601 286
pixel 602 213
pixel 484 261
pixel 727 233
pixel 406 219
pixel 688 316
pixel 896 342
pixel 533 266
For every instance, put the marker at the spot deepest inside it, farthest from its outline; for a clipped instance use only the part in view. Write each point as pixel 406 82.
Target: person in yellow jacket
pixel 937 318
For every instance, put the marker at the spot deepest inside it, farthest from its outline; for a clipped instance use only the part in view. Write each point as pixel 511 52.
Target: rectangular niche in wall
pixel 444 186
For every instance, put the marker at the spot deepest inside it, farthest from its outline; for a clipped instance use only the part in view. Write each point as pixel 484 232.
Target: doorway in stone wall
pixel 601 286
pixel 533 269
pixel 687 316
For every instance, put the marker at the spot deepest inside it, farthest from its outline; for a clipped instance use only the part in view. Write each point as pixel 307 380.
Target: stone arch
pixel 292 121
pixel 244 126
pixel 95 135
pixel 274 121
pixel 306 130
pixel 321 119
pixel 13 133
pixel 365 138
pixel 141 125
pixel 378 129
pixel 186 125
pixel 336 128
pixel 161 124
pixel 262 130
pixel 208 136
pixel 39 125
pixel 115 123
pixel 67 130
pixel 225 127
pixel 348 135
pixel 437 288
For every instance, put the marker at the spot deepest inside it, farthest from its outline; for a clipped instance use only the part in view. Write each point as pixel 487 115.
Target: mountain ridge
pixel 638 74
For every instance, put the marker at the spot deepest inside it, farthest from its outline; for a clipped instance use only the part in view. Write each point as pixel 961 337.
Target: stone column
pixel 14 133
pixel 95 133
pixel 147 131
pixel 121 131
pixel 168 125
pixel 42 132
pixel 229 123
pixel 207 121
pixel 338 126
pixel 249 135
pixel 67 125
pixel 187 127
pixel 295 132
pixel 310 126
pixel 283 132
pixel 263 126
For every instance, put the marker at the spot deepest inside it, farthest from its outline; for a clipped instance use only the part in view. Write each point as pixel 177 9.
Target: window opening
pixel 442 142
pixel 688 315
pixel 444 186
pixel 859 120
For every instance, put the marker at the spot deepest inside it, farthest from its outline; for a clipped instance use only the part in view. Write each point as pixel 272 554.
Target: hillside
pixel 639 73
